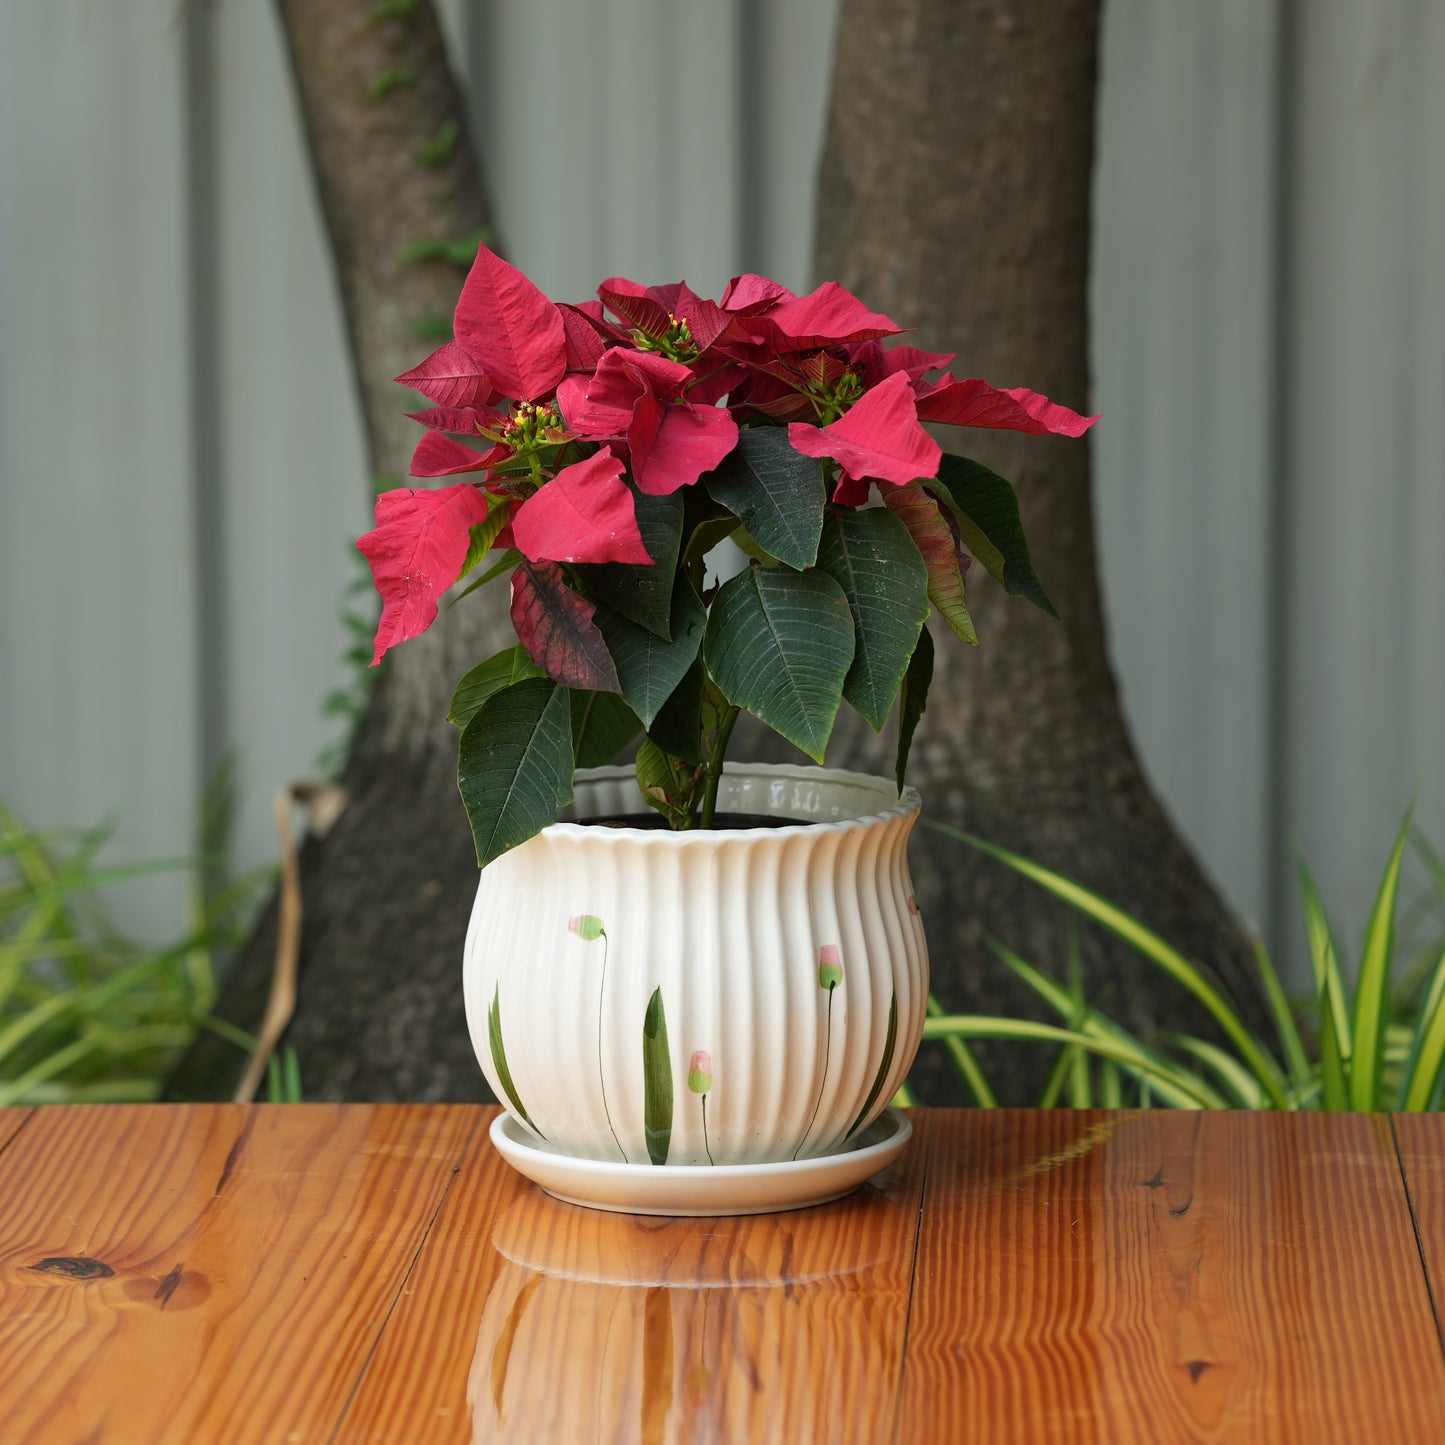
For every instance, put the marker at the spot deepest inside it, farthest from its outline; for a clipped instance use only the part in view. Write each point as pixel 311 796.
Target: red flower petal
pixel 511 328
pixel 878 436
pixel 584 514
pixel 690 441
pixel 635 305
pixel 750 293
pixel 827 316
pixel 585 344
pixel 437 455
pixel 975 403
pixel 451 376
pixel 463 420
pixel 416 552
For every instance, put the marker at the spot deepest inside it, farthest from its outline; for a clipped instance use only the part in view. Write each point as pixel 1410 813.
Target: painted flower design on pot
pixel 830 976
pixel 699 1080
pixel 588 927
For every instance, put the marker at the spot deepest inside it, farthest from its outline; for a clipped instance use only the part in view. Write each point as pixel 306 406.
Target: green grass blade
pixel 1334 1062
pixel 965 1061
pixel 1145 941
pixel 1111 1088
pixel 1325 960
pixel 1054 1085
pixel 1372 993
pixel 1238 1082
pixel 1422 1068
pixel 1184 1092
pixel 1297 1064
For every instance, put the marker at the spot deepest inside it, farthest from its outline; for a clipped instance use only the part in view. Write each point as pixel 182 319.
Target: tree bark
pixel 955 196
pixel 388 890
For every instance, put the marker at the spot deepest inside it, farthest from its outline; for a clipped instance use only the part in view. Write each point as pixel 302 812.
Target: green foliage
pixel 778 494
pixel 347 703
pixel 394 77
pixel 437 151
pixel 1369 1056
pixel 458 251
pixel 401 11
pixel 87 1012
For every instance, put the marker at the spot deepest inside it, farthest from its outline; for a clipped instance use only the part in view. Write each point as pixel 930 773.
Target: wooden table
pixel 360 1273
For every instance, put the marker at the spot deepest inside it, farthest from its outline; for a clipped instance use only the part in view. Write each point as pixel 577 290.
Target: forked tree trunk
pixel 955 195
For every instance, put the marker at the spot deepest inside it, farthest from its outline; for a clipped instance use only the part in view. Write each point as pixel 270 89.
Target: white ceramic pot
pixel 728 996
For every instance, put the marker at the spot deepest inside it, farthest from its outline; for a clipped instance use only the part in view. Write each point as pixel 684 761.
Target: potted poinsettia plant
pixel 603 450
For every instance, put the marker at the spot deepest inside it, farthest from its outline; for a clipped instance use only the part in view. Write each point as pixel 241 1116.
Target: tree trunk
pixel 954 196
pixel 387 892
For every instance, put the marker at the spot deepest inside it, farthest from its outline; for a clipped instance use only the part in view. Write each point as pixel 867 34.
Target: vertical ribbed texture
pixel 730 926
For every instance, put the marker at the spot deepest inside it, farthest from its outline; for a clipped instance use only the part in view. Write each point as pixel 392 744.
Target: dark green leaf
pixel 869 553
pixel 557 628
pixel 656 1081
pixel 649 667
pixel 514 765
pixel 666 787
pixel 499 1059
pixel 913 699
pixel 778 493
pixel 779 643
pixel 507 667
pixel 889 1043
pixel 643 594
pixel 484 534
pixel 602 725
pixel 707 534
pixel 677 728
pixel 988 520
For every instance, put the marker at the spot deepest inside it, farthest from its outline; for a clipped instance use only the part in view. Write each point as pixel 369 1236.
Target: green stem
pixel 823 1082
pixel 705 1144
pixel 715 764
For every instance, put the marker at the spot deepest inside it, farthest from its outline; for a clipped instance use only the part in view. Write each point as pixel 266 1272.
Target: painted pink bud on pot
pixel 585 925
pixel 830 966
pixel 699 1072
pixel 913 905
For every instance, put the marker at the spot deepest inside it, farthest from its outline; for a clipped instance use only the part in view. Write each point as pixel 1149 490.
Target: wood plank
pixel 1420 1139
pixel 528 1320
pixel 12 1121
pixel 207 1272
pixel 1169 1276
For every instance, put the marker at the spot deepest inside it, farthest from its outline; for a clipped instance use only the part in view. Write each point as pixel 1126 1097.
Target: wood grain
pixel 1420 1140
pixel 532 1321
pixel 12 1121
pixel 1169 1276
pixel 200 1273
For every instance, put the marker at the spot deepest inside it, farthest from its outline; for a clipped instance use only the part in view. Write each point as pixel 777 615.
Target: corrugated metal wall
pixel 181 471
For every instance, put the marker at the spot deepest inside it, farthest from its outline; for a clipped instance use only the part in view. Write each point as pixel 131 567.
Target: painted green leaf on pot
pixel 656 1081
pixel 779 644
pixel 869 553
pixel 889 1043
pixel 777 492
pixel 651 667
pixel 602 725
pixel 507 667
pixel 499 1060
pixel 912 699
pixel 987 509
pixel 514 765
pixel 643 594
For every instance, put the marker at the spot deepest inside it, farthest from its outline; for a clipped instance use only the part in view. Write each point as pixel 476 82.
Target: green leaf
pixel 912 700
pixel 507 562
pixel 514 764
pixel 656 1081
pixel 969 1069
pixel 890 1041
pixel 1372 992
pixel 1325 961
pixel 1296 1060
pixel 1241 1085
pixel 779 643
pixel 484 534
pixel 664 787
pixel 499 1059
pixel 602 725
pixel 677 728
pixel 559 629
pixel 919 512
pixel 870 555
pixel 650 667
pixel 502 670
pixel 778 493
pixel 1422 1069
pixel 987 510
pixel 707 534
pixel 643 594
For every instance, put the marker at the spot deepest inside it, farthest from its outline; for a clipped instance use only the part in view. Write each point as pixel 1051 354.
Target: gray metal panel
pixel 1183 355
pixel 97 589
pixel 1365 401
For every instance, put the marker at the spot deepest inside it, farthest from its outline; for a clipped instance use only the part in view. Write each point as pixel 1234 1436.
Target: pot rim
pixel 909 804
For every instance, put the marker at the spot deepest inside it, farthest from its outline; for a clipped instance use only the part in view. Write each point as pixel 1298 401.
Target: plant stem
pixel 715 764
